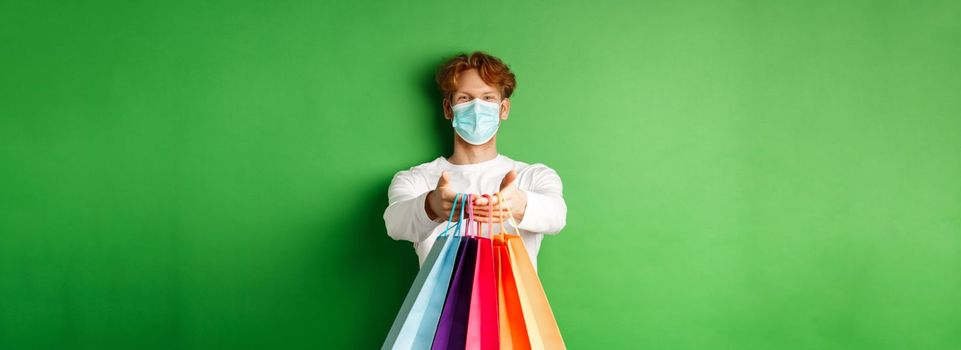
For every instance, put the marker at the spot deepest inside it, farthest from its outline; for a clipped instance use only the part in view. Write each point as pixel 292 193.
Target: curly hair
pixel 491 69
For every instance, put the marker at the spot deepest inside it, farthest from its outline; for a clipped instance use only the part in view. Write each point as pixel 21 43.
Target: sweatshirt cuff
pixel 533 211
pixel 422 219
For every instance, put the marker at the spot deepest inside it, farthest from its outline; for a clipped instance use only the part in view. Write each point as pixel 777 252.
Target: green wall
pixel 739 174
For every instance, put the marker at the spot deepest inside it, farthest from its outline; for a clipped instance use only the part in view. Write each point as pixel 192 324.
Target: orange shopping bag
pixel 513 332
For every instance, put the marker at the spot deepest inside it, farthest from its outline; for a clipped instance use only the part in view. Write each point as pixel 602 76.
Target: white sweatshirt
pixel 407 219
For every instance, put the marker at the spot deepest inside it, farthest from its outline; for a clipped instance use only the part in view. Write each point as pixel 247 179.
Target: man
pixel 476 90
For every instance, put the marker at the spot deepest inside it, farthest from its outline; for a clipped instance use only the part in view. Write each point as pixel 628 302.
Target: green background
pixel 739 174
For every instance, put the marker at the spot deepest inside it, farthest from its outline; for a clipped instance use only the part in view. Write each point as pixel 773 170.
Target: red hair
pixel 491 69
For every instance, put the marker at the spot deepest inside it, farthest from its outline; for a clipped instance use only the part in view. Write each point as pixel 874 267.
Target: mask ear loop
pixel 509 213
pixel 450 219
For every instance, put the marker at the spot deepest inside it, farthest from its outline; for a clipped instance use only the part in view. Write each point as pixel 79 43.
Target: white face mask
pixel 476 121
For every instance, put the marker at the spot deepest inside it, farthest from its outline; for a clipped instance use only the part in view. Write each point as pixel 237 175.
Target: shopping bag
pixel 513 331
pixel 416 322
pixel 482 325
pixel 452 328
pixel 542 330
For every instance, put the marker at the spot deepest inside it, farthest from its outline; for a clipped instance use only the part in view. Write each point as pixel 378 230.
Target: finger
pixel 492 221
pixel 486 217
pixel 508 180
pixel 501 197
pixel 486 210
pixel 444 180
pixel 480 201
pixel 496 207
pixel 484 213
pixel 496 199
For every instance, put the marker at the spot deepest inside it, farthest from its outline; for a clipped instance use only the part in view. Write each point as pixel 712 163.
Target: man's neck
pixel 465 153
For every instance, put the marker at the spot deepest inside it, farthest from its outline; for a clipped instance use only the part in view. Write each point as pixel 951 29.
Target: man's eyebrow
pixel 482 93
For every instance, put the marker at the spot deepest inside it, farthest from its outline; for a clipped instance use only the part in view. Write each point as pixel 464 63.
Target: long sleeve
pixel 405 216
pixel 546 210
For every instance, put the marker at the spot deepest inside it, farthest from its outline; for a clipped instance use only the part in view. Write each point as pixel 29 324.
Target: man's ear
pixel 448 114
pixel 505 108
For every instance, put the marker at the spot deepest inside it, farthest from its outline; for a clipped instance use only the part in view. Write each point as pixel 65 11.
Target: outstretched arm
pixel 412 214
pixel 539 209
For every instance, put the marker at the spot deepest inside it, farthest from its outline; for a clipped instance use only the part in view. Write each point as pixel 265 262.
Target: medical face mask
pixel 476 121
